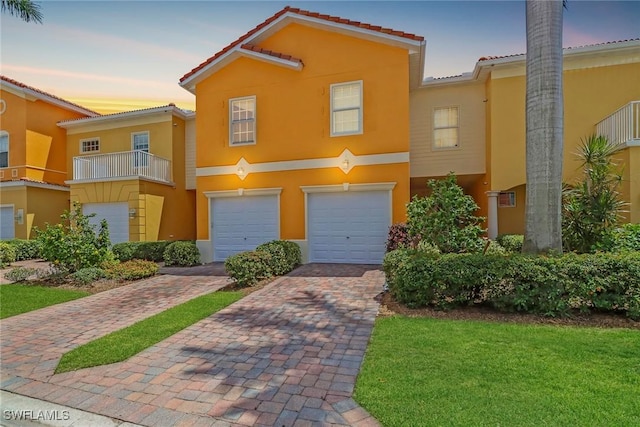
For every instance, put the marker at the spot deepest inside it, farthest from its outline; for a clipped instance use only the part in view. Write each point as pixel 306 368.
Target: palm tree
pixel 26 9
pixel 544 117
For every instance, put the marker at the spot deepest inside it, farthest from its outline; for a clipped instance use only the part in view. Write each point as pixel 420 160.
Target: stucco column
pixel 492 214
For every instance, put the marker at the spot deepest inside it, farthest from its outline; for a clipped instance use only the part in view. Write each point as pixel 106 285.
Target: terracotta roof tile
pixel 24 86
pixel 258 49
pixel 170 105
pixel 301 12
pixel 489 58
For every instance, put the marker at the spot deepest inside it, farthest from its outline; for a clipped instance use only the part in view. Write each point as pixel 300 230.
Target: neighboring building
pixel 302 133
pixel 483 115
pixel 33 157
pixel 136 170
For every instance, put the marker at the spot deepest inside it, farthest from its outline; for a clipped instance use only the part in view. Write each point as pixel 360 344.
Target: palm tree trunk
pixel 544 117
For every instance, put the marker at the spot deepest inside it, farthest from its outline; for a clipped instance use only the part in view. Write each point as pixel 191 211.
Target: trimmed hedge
pixel 511 242
pixel 181 253
pixel 7 254
pixel 128 270
pixel 25 249
pixel 273 258
pixel 150 251
pixel 552 286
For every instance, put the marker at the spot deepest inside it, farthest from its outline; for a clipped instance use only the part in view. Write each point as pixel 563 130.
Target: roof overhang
pixel 167 109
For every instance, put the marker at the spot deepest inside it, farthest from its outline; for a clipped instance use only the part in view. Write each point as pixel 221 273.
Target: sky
pixel 115 56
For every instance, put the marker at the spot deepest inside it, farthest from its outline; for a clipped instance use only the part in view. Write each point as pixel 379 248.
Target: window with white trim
pixel 507 199
pixel 90 145
pixel 4 149
pixel 242 120
pixel 140 143
pixel 446 126
pixel 346 108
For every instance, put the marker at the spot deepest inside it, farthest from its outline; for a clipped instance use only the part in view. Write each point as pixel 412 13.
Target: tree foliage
pixel 26 10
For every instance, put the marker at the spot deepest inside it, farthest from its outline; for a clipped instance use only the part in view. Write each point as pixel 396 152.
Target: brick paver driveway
pixel 285 355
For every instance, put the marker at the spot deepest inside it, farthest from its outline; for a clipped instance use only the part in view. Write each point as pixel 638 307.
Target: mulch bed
pixel 390 307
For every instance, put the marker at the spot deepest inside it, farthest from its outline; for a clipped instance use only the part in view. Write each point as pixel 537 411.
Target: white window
pixel 445 127
pixel 242 120
pixel 507 199
pixel 90 145
pixel 140 145
pixel 4 149
pixel 346 108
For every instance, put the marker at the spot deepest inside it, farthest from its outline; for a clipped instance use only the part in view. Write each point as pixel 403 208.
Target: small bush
pixel 125 251
pixel 621 239
pixel 7 254
pixel 285 255
pixel 398 237
pixel 88 275
pixel 154 251
pixel 20 274
pixel 511 242
pixel 183 254
pixel 249 268
pixel 494 248
pixel 132 270
pixel 25 249
pixel 428 248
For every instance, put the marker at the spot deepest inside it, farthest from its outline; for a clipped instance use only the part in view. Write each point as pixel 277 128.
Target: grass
pixel 17 299
pixel 429 372
pixel 124 343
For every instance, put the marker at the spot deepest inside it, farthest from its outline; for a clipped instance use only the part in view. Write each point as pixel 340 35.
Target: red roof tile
pixel 257 49
pixel 24 86
pixel 301 12
pixel 489 58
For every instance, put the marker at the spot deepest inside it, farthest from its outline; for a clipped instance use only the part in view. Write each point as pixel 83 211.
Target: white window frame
pixel 510 201
pixel 82 147
pixel 140 160
pixel 5 133
pixel 437 128
pixel 254 121
pixel 360 109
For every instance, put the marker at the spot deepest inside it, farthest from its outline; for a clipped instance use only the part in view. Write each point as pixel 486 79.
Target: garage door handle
pixel 245 238
pixel 347 237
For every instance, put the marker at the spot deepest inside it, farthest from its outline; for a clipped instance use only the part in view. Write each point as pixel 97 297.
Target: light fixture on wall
pixel 240 172
pixel 19 216
pixel 345 164
pixel 132 213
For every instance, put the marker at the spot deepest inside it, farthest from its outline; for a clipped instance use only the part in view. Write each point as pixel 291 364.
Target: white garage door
pixel 242 223
pixel 117 216
pixel 349 227
pixel 7 226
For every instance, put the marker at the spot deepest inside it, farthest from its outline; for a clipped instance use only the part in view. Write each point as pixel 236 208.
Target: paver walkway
pixel 286 355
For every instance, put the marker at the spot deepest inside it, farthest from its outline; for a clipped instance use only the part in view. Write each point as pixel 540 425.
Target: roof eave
pixel 70 124
pixel 51 100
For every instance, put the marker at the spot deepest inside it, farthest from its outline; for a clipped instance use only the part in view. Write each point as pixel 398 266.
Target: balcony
pixel 622 126
pixel 126 164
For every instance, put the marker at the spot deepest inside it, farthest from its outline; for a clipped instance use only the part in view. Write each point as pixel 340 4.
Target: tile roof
pixel 257 49
pixel 489 58
pixel 301 12
pixel 34 181
pixel 24 86
pixel 124 113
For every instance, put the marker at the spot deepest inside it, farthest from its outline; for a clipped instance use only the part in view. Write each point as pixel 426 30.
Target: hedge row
pixel 552 286
pixel 180 253
pixel 270 259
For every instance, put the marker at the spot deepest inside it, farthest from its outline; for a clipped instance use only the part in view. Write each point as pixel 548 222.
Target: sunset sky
pixel 122 55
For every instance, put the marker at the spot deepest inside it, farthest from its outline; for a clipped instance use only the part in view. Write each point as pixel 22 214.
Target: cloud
pixel 573 37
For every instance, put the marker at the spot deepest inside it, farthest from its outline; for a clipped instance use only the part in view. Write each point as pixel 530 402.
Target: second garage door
pixel 117 216
pixel 348 227
pixel 242 223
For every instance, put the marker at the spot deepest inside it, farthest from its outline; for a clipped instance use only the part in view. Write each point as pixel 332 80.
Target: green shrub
pixel 184 254
pixel 285 255
pixel 125 251
pixel 88 275
pixel 7 254
pixel 131 270
pixel 392 261
pixel 73 243
pixel 623 238
pixel 249 268
pixel 511 242
pixel 20 274
pixel 25 249
pixel 154 251
pixel 428 247
pixel 446 218
pixel 494 248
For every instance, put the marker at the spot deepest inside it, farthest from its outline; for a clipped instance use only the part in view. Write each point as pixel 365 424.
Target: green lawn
pixel 428 372
pixel 16 299
pixel 122 344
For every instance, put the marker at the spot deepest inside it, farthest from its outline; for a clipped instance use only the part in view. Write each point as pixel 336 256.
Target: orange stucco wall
pixel 293 119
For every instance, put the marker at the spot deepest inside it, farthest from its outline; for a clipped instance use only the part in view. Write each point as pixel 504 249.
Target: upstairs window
pixel 446 127
pixel 91 145
pixel 4 149
pixel 346 108
pixel 140 142
pixel 242 120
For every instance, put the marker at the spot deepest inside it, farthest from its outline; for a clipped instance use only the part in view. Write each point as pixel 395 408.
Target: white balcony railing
pixel 623 126
pixel 136 164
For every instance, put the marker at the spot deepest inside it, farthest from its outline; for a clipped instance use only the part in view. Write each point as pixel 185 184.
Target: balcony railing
pixel 623 126
pixel 135 164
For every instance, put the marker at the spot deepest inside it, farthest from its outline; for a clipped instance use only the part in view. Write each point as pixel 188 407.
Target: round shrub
pixel 132 270
pixel 249 268
pixel 511 242
pixel 7 254
pixel 25 249
pixel 183 254
pixel 88 275
pixel 285 255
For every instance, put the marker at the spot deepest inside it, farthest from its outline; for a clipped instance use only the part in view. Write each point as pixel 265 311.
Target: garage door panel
pixel 117 216
pixel 348 227
pixel 242 223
